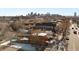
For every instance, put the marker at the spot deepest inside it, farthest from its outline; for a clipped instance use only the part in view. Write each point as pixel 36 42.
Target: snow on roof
pixel 42 34
pixel 5 43
pixel 24 38
pixel 15 46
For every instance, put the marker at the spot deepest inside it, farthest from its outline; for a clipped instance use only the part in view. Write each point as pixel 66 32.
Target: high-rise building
pixel 75 14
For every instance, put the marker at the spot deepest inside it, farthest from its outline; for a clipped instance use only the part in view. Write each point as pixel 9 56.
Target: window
pixel 75 32
pixel 72 28
pixel 76 28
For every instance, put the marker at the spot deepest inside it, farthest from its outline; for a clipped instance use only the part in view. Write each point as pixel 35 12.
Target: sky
pixel 24 11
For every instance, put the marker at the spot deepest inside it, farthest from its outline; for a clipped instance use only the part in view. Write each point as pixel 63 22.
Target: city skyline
pixel 25 11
